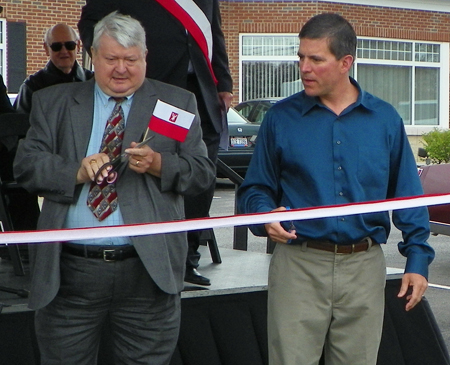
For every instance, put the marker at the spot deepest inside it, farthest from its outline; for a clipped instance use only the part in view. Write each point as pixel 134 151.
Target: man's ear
pixel 347 62
pixel 46 48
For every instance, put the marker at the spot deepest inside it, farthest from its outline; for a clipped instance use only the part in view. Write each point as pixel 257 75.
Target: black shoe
pixel 194 277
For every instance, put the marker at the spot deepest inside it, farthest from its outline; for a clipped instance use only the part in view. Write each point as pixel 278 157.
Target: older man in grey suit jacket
pixel 133 281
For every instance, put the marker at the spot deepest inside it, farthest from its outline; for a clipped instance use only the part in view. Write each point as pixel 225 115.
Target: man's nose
pixel 121 66
pixel 304 66
pixel 64 50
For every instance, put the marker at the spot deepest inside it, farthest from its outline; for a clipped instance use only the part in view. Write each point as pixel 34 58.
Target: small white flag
pixel 170 121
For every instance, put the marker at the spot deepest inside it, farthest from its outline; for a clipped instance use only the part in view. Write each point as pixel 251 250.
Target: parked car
pixel 435 179
pixel 242 139
pixel 254 110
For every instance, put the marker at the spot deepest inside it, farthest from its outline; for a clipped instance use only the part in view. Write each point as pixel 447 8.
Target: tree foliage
pixel 437 145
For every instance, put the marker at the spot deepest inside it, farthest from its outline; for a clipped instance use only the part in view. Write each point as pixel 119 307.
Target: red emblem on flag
pixel 171 121
pixel 173 117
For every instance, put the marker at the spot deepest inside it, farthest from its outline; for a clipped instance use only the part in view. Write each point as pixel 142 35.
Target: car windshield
pixel 235 118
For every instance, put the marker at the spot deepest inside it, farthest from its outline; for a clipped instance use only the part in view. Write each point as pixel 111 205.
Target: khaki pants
pixel 319 301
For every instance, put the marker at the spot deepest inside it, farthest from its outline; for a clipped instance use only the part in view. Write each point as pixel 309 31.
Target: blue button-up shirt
pixel 307 156
pixel 79 214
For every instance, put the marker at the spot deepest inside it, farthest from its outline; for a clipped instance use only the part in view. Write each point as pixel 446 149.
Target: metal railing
pixel 240 233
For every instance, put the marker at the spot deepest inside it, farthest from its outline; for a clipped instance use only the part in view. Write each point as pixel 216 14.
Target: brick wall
pixel 39 16
pixel 244 17
pixel 288 17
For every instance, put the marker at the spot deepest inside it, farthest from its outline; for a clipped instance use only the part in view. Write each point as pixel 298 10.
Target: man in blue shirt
pixel 333 143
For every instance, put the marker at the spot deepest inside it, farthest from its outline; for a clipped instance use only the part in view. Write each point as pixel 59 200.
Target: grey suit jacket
pixel 48 159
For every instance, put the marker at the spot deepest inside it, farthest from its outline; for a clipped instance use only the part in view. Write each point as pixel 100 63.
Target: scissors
pixel 291 226
pixel 115 164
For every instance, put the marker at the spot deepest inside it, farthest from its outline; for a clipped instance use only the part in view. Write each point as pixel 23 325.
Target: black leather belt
pixel 360 246
pixel 107 253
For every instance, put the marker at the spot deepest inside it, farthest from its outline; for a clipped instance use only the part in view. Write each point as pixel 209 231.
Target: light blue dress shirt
pixel 79 214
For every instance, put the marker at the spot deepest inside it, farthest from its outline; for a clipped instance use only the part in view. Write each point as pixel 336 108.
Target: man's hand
pixel 226 97
pixel 276 231
pixel 418 283
pixel 89 167
pixel 144 159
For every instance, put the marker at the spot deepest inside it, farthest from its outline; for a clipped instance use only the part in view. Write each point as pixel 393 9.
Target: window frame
pixel 3 49
pixel 260 58
pixel 444 74
pixel 443 66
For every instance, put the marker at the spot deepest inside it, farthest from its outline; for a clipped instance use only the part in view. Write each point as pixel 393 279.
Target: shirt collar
pixel 309 103
pixel 364 99
pixel 104 98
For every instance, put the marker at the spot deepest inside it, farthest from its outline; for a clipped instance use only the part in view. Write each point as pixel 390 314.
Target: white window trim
pixel 441 6
pixel 4 68
pixel 444 94
pixel 413 130
pixel 260 58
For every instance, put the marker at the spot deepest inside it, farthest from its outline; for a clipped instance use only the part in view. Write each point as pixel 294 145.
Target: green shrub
pixel 437 145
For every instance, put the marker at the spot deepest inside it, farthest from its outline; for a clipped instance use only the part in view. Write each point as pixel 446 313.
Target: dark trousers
pixel 23 207
pixel 143 320
pixel 198 206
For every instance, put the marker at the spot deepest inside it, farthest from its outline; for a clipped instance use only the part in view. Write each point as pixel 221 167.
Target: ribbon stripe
pixel 62 235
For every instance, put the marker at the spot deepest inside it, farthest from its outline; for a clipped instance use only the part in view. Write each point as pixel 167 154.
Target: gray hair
pixel 127 31
pixel 48 32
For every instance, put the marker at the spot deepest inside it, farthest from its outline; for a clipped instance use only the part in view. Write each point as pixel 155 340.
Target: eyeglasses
pixel 57 46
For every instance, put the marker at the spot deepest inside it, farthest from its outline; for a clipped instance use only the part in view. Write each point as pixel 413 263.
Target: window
pixel 408 74
pixel 3 48
pixel 411 75
pixel 269 65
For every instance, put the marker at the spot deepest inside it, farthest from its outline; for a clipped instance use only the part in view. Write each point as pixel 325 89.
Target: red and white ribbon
pixel 62 235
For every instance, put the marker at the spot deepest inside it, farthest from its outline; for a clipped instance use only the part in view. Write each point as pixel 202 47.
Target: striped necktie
pixel 102 198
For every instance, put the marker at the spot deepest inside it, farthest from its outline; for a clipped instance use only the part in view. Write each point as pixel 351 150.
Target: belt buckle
pixel 336 247
pixel 105 252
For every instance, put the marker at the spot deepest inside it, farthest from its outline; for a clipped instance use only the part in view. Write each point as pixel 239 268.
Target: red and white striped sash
pixel 196 23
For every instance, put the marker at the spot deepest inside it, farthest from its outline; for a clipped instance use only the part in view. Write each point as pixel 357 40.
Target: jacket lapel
pixel 144 101
pixel 81 114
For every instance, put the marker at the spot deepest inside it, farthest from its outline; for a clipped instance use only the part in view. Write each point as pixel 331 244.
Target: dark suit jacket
pixel 48 159
pixel 48 76
pixel 5 103
pixel 8 143
pixel 169 48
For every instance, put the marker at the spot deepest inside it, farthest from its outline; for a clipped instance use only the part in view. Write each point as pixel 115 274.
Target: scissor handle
pixel 112 175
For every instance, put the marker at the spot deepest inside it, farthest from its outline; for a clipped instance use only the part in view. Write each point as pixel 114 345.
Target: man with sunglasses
pixel 61 44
